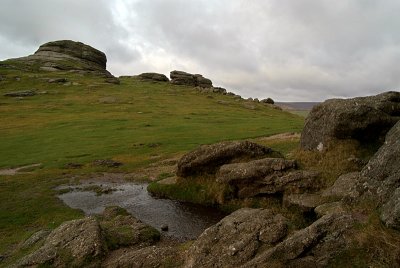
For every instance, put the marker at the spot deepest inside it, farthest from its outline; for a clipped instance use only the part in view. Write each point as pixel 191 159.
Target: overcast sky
pixel 290 50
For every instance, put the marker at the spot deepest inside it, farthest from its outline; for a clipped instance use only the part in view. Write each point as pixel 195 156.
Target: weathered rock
pixel 385 164
pixel 390 214
pixel 380 178
pixel 268 101
pixel 57 80
pixel 22 93
pixel 73 244
pixel 298 181
pixel 366 119
pixel 303 202
pixel 107 163
pixel 122 229
pixel 313 246
pixel 219 90
pixel 343 186
pixel 253 170
pixel 202 81
pixel 155 77
pixel 67 55
pixel 236 238
pixel 208 158
pixel 183 78
pixel 329 208
pixel 148 257
pixel 35 238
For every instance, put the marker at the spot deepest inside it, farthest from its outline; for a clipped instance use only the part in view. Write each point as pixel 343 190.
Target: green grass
pixel 70 124
pixel 134 122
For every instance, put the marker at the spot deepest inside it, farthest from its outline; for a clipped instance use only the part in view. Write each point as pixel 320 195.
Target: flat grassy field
pixel 136 123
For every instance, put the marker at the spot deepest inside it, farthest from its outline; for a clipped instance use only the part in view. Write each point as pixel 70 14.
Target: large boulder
pixel 208 158
pixel 153 77
pixel 67 55
pixel 73 244
pixel 187 79
pixel 237 238
pixel 366 119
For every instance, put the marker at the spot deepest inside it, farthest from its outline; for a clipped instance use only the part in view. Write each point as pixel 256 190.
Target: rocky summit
pixel 366 119
pixel 195 80
pixel 65 55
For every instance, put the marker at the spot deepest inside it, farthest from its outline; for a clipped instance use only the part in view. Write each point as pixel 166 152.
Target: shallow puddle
pixel 184 220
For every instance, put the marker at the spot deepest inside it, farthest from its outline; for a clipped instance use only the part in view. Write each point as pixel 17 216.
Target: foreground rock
pixel 259 238
pixel 86 242
pixel 67 55
pixel 74 243
pixel 187 79
pixel 208 158
pixel 153 77
pixel 267 176
pixel 147 257
pixel 314 246
pixel 366 119
pixel 237 238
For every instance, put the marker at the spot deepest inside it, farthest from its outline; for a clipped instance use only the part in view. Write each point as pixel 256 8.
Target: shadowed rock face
pixel 379 180
pixel 67 55
pixel 366 119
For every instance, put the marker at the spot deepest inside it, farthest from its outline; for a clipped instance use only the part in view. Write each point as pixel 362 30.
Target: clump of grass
pixel 335 160
pixel 200 190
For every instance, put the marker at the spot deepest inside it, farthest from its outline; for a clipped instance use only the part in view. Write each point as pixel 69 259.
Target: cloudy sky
pixel 302 50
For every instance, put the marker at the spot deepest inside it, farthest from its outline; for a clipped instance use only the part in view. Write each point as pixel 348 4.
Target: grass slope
pixel 130 122
pixel 135 122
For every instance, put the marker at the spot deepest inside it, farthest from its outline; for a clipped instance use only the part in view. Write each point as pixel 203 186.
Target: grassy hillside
pixel 130 122
pixel 135 123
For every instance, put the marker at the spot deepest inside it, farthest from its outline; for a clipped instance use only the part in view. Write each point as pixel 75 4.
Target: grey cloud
pixel 287 50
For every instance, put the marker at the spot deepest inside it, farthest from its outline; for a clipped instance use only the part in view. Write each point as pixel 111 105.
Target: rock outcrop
pixel 366 119
pixel 208 158
pixel 153 77
pixel 248 168
pixel 74 243
pixel 259 238
pixel 86 242
pixel 237 238
pixel 67 55
pixel 187 79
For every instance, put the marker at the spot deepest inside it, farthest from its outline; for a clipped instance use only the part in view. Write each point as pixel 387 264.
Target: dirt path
pixel 18 170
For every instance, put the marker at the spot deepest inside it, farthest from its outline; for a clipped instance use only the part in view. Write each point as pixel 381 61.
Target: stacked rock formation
pixel 187 79
pixel 67 55
pixel 251 169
